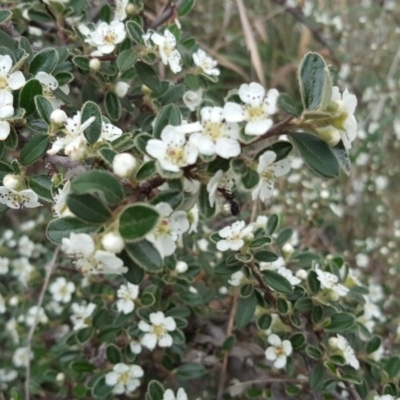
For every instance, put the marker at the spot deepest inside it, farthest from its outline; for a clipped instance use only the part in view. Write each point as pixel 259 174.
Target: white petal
pixel 4 130
pixel 270 353
pixel 233 112
pixel 203 143
pixel 280 362
pixel 156 148
pixel 281 168
pixel 287 346
pixel 170 324
pixel 144 326
pixel 157 318
pixel 165 341
pixel 223 245
pixel 16 80
pixel 265 160
pixel 227 148
pixel 257 128
pixel 149 340
pixel 5 64
pixel 274 340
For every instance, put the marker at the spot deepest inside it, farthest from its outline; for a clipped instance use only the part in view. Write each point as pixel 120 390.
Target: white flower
pixel 81 315
pixel 135 346
pixel 109 132
pixel 169 55
pixel 375 291
pixel 25 246
pixel 273 265
pixel 91 261
pixel 288 274
pixel 157 331
pixel 12 181
pixel 106 36
pixel 113 242
pixel 345 105
pixel 170 228
pixel 22 269
pixel 124 378
pixel 124 164
pixel 6 110
pixel 193 217
pixel 4 263
pixel 10 81
pixel 127 294
pixel 233 236
pixel 62 290
pixel 60 207
pixel 346 351
pixel 172 150
pixel 12 330
pixel 121 89
pixel 36 314
pixel 25 198
pixel 362 260
pixel 181 267
pixel 120 10
pixel 279 351
pixel 7 376
pixel 21 357
pixel 331 282
pixel 192 99
pixel 74 141
pixel 206 63
pixel 216 136
pixel 56 1
pixel 236 278
pixel 180 395
pixel 268 170
pixel 49 84
pixel 256 111
pixel 385 397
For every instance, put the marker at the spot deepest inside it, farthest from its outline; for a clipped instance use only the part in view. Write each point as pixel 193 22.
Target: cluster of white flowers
pixel 342 347
pixel 330 283
pixel 127 295
pixel 81 315
pixel 9 80
pixel 88 259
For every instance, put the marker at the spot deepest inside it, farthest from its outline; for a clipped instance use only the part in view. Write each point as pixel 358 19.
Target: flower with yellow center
pixel 256 110
pixel 124 378
pixel 233 237
pixel 157 331
pixel 6 111
pixel 172 150
pixel 279 351
pixel 16 199
pixel 216 136
pixel 170 228
pixel 10 80
pixel 168 53
pixel 62 290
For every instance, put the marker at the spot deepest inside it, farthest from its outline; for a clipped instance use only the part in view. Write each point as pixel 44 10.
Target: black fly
pixel 230 199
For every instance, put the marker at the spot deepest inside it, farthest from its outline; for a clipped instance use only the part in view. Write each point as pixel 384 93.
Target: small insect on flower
pixel 229 197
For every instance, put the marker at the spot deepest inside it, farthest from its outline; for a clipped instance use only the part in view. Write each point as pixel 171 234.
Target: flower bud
pixel 113 242
pixel 58 116
pixel 329 135
pixel 192 99
pixel 13 301
pixel 12 181
pixel 131 9
pixel 95 64
pixel 121 89
pixel 301 274
pixel 181 267
pixel 124 164
pixel 60 377
pixel 333 342
pixel 287 250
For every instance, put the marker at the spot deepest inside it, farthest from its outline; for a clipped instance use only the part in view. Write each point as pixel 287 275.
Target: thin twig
pixel 166 15
pixel 49 270
pixel 353 392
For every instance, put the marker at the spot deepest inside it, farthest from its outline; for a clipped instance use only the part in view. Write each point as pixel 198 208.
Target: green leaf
pixel 62 96
pixel 62 228
pixel 315 84
pixel 374 344
pixel 277 281
pixel 185 7
pixel 11 142
pixel 113 354
pixel 82 366
pixel 339 322
pixel 135 32
pixel 281 149
pixel 171 196
pixel 101 389
pixel 146 171
pixel 392 366
pixel 259 242
pixel 313 282
pixel 41 185
pixel 93 131
pixel 145 255
pixel 316 377
pixel 283 236
pixel 7 41
pixel 85 334
pixel 190 371
pixel 127 58
pixel 82 62
pixel 38 125
pixel 97 181
pixel 46 60
pixel 246 290
pixel 5 15
pixel 43 107
pixel 298 340
pixel 317 154
pixel 112 105
pixel 192 81
pixel 4 170
pixel 107 154
pixel 88 208
pixel 266 256
pixel 137 220
pixel 250 179
pixel 168 115
pixel 34 149
pixel 205 209
pixel 286 104
pixel 27 95
pixel 39 16
pixel 147 76
pixel 245 310
pixel 272 224
pixel 155 390
pixel 341 155
pixel 174 94
pixel 264 321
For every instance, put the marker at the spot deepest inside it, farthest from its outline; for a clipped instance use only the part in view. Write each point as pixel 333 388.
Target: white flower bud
pixel 113 242
pixel 131 9
pixel 124 164
pixel 60 377
pixel 223 290
pixel 95 64
pixel 58 116
pixel 329 135
pixel 192 99
pixel 287 250
pixel 13 301
pixel 181 267
pixel 333 342
pixel 192 289
pixel 121 89
pixel 12 181
pixel 301 274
